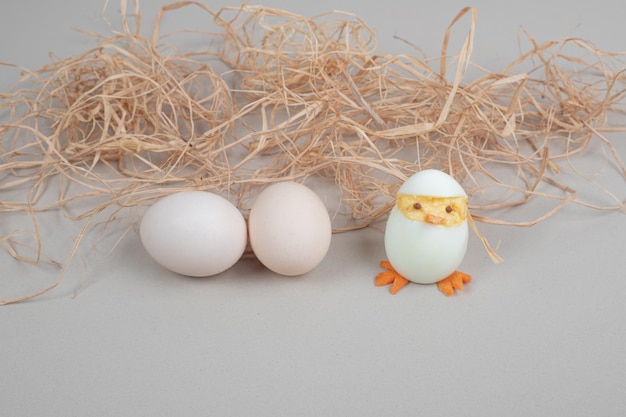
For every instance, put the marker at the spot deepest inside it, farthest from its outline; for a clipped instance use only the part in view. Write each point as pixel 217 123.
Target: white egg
pixel 290 229
pixel 194 233
pixel 421 251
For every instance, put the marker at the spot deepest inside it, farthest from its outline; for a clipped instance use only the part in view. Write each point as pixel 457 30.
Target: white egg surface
pixel 194 233
pixel 290 229
pixel 429 249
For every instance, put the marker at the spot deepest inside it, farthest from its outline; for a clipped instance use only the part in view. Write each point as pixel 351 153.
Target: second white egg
pixel 290 229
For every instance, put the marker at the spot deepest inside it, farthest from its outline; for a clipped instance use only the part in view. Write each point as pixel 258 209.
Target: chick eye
pixel 449 209
pixel 417 206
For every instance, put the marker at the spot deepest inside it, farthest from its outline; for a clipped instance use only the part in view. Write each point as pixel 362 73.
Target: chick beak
pixel 432 219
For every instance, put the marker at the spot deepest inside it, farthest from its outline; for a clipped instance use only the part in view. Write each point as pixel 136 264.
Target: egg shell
pixel 432 183
pixel 194 233
pixel 289 228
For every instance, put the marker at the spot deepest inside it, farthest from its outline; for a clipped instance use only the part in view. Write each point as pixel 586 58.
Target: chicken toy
pixel 426 234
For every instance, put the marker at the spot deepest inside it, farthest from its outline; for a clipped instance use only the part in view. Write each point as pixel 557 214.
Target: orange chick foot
pixel 390 276
pixel 453 282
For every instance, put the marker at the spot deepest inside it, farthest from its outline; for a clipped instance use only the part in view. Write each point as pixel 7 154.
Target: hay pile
pixel 303 99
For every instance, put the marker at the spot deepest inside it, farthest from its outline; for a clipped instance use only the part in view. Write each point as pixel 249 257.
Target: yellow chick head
pixel 444 211
pixel 434 197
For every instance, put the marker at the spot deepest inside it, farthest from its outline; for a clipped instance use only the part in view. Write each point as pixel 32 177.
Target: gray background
pixel 544 333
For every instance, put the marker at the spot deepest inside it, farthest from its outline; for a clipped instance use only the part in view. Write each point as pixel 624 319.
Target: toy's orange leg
pixel 390 276
pixel 453 282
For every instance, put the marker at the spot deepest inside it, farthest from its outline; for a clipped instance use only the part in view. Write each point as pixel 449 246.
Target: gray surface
pixel 541 334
